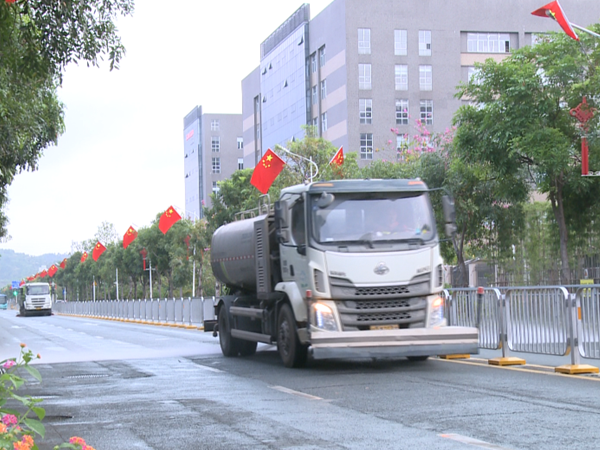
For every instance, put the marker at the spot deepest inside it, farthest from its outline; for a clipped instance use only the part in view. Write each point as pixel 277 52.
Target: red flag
pixel 52 270
pixel 169 217
pixel 98 250
pixel 554 11
pixel 338 158
pixel 144 253
pixel 22 283
pixel 129 237
pixel 265 172
pixel 63 264
pixel 43 274
pixel 84 256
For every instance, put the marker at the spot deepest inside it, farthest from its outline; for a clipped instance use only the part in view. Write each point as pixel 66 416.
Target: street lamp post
pixel 306 159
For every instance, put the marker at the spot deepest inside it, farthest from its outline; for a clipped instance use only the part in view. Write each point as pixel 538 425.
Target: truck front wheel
pixel 229 345
pixel 292 352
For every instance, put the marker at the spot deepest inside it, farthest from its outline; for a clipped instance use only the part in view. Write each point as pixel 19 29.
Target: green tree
pixel 518 124
pixel 38 39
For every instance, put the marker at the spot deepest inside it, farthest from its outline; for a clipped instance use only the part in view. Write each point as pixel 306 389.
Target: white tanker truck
pixel 337 269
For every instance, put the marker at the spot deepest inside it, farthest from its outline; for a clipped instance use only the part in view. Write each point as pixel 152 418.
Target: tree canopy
pixel 518 125
pixel 38 39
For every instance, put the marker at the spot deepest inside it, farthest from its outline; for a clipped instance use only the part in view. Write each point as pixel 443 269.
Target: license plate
pixel 384 327
pixel 38 307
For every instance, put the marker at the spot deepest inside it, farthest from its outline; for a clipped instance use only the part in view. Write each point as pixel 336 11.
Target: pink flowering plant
pixel 21 416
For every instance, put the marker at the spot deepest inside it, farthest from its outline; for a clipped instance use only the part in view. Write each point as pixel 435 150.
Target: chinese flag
pixel 84 256
pixel 63 264
pixel 22 283
pixel 338 158
pixel 43 274
pixel 129 236
pixel 98 250
pixel 265 172
pixel 554 11
pixel 52 270
pixel 169 217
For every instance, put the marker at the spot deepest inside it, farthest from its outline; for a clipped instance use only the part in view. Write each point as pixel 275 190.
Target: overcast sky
pixel 121 157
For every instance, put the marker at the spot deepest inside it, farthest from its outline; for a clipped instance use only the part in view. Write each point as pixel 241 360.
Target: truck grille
pixel 404 312
pixel 38 301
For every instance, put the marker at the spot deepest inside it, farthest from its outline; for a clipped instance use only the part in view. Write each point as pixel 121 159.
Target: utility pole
pixel 117 282
pixel 150 269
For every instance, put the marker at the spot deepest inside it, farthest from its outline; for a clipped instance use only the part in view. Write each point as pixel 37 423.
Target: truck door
pixel 294 263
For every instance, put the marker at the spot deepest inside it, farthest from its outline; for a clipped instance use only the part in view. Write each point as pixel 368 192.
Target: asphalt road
pixel 133 386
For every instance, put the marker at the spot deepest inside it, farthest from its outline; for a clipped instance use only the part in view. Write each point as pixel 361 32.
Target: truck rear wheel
pixel 229 345
pixel 292 352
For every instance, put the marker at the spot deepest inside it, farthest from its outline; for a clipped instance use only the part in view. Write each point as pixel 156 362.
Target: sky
pixel 121 158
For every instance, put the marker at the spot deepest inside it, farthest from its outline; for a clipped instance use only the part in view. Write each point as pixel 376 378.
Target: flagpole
pixel 585 30
pixel 304 158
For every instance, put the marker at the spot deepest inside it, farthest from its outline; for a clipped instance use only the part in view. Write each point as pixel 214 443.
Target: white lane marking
pixel 291 391
pixel 210 369
pixel 472 441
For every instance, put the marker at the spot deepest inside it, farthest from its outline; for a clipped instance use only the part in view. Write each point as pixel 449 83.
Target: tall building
pixel 213 149
pixel 360 70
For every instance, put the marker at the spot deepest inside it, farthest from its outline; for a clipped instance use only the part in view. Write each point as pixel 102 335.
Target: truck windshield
pixel 365 218
pixel 38 290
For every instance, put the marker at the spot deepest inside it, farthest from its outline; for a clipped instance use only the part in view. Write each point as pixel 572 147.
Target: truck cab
pixel 35 299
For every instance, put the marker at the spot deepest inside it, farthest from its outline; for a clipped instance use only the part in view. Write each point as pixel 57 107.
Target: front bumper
pixel 394 343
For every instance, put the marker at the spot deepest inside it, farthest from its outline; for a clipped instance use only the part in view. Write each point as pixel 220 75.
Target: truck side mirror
pixel 449 215
pixel 281 224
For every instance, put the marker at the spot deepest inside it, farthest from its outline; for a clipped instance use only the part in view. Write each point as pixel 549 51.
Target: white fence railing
pixel 191 312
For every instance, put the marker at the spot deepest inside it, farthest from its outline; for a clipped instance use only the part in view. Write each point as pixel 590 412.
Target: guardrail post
pixel 573 302
pixel 504 315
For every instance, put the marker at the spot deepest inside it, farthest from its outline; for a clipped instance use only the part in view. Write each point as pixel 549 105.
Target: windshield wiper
pixel 366 239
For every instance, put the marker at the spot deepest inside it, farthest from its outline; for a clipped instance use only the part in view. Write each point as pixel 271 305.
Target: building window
pixel 216 165
pixel 313 63
pixel 488 43
pixel 401 77
pixel 240 163
pixel 425 78
pixel 240 143
pixel 400 43
pixel 215 187
pixel 424 43
pixel 402 142
pixel 426 112
pixel 366 145
pixel 323 122
pixel 365 107
pixel 364 41
pixel 402 112
pixel 322 56
pixel 323 89
pixel 215 143
pixel 472 72
pixel 315 122
pixel 214 125
pixel 314 95
pixel 364 76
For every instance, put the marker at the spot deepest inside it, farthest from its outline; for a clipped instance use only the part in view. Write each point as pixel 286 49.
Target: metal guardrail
pixel 549 320
pixel 190 312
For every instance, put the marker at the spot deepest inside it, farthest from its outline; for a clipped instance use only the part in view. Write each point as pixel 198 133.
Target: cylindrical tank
pixel 233 253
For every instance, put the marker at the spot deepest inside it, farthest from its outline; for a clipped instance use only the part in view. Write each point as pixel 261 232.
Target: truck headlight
pixel 436 316
pixel 324 318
